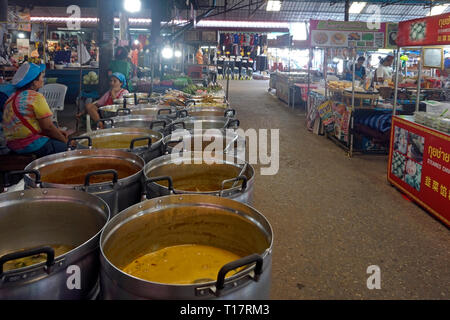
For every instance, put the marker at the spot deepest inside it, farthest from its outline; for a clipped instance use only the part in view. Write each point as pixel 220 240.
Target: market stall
pixel 353 113
pixel 419 155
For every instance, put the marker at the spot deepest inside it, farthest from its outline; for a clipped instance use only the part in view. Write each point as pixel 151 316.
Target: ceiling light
pixel 21 35
pixel 136 42
pixel 357 7
pixel 167 53
pixel 177 53
pixel 132 5
pixel 273 5
pixel 436 10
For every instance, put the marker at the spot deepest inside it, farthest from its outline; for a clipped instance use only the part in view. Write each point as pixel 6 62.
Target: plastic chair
pixel 55 95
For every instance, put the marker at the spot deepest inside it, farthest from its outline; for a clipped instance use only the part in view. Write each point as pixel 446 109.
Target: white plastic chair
pixel 55 94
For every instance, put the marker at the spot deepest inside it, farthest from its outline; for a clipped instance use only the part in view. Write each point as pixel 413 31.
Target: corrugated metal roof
pixel 291 11
pixel 303 10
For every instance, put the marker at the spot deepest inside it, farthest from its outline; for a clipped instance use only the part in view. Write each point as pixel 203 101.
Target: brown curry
pixel 75 171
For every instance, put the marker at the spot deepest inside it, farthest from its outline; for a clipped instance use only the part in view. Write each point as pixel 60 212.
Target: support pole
pixel 106 40
pixel 347 10
pixel 397 73
pixel 3 10
pixel 419 80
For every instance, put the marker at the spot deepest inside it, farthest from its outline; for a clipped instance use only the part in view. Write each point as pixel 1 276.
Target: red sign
pixel 431 31
pixel 419 165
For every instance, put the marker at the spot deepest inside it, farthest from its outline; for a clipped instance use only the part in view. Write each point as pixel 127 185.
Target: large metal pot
pixel 202 123
pixel 198 141
pixel 113 175
pixel 145 143
pixel 196 172
pixel 140 109
pixel 130 99
pixel 210 112
pixel 31 220
pixel 188 219
pixel 137 121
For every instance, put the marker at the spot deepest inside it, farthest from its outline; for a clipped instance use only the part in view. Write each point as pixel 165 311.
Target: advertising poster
pixel 419 165
pixel 391 35
pixel 353 34
pixel 433 30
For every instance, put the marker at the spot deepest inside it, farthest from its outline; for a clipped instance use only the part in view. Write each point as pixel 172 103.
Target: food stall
pixel 353 114
pixel 419 155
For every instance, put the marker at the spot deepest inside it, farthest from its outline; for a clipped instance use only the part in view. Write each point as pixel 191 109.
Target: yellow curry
pixel 181 264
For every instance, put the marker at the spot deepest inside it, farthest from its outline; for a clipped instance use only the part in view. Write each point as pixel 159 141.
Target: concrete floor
pixel 333 216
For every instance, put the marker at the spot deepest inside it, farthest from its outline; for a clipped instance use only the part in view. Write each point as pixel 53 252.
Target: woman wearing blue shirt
pixel 360 70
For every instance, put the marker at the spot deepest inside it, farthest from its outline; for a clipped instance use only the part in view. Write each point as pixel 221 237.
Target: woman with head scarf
pixel 117 85
pixel 27 118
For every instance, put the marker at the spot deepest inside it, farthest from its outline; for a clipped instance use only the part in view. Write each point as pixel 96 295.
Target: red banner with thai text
pixel 428 31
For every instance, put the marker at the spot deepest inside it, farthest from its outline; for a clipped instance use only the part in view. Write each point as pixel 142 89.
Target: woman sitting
pixel 27 118
pixel 117 84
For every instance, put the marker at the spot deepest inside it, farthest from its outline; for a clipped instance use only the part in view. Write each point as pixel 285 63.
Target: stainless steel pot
pixel 188 219
pixel 202 123
pixel 210 112
pixel 136 98
pixel 145 143
pixel 39 217
pixel 119 175
pixel 140 109
pixel 199 173
pixel 137 121
pixel 198 141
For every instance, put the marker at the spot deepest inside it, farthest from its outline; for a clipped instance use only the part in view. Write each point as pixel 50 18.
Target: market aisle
pixel 333 216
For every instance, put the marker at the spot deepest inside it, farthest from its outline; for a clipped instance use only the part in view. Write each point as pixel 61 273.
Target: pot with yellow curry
pixel 187 246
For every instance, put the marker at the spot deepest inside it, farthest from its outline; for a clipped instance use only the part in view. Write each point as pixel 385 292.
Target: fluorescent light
pixel 167 53
pixel 436 10
pixel 177 53
pixel 132 5
pixel 273 5
pixel 357 7
pixel 21 35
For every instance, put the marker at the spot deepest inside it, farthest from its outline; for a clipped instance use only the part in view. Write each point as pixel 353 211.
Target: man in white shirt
pixel 384 71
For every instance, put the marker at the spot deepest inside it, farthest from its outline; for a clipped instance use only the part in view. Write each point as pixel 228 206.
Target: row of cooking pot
pixel 60 215
pixel 72 197
pixel 122 178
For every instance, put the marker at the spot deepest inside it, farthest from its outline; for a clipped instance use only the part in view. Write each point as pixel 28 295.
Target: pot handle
pixel 173 125
pixel 105 121
pixel 229 113
pixel 153 123
pixel 123 111
pixel 253 258
pixel 164 109
pixel 36 173
pixel 49 251
pixel 182 114
pixel 166 144
pixel 140 139
pixel 69 147
pixel 233 122
pixel 156 179
pixel 87 179
pixel 238 178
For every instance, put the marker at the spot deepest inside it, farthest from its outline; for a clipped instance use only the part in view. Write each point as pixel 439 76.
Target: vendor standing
pixel 384 71
pixel 27 118
pixel 117 91
pixel 360 70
